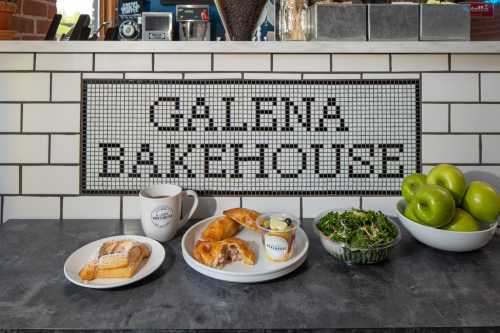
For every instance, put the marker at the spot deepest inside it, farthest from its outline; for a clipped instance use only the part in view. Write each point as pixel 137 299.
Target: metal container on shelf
pixel 444 22
pixel 397 21
pixel 337 22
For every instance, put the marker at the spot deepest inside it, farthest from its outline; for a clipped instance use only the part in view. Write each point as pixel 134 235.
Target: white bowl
pixel 447 240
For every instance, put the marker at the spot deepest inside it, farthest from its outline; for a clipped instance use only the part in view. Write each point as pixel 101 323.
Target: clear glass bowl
pixel 278 244
pixel 351 255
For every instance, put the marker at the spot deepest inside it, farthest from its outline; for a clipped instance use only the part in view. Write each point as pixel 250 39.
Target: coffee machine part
pixel 157 26
pixel 130 19
pixel 194 22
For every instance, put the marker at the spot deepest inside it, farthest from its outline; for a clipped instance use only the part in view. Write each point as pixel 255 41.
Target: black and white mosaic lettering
pixel 235 137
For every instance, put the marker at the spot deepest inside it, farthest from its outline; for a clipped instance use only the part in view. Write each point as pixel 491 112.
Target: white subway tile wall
pixel 108 62
pixel 435 118
pixel 419 62
pixel 50 179
pixel 66 87
pixel 46 118
pixel 10 117
pixel 360 62
pixel 91 208
pixel 450 87
pixel 40 120
pixel 475 118
pixel 16 61
pixel 182 62
pixel 242 62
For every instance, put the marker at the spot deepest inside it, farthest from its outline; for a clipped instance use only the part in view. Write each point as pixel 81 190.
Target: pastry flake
pixel 221 228
pixel 244 216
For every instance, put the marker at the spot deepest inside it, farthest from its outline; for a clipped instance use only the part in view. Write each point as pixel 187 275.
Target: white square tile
pixel 31 87
pixel 50 180
pixel 233 62
pixel 450 87
pixel 186 62
pixel 450 148
pixel 27 207
pixel 313 206
pixel 435 117
pixel 331 76
pixel 381 76
pixel 360 62
pixel 491 149
pixel 24 148
pixel 386 205
pixel 44 117
pixel 64 61
pixel 210 76
pixel 475 62
pixel 131 208
pixel 91 208
pixel 475 118
pixel 489 87
pixel 65 149
pixel 273 204
pixel 301 63
pixel 133 62
pixel 213 206
pixel 10 117
pixel 419 62
pixel 9 179
pixel 16 61
pixel 66 87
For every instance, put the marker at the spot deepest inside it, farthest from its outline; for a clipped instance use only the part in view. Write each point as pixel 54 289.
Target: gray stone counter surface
pixel 419 289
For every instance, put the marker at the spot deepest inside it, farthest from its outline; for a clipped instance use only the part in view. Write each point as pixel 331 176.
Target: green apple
pixel 434 205
pixel 482 201
pixel 449 177
pixel 463 222
pixel 411 184
pixel 408 213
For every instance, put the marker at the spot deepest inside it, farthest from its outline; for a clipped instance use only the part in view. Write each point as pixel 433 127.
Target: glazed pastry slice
pixel 245 217
pixel 116 259
pixel 219 254
pixel 221 228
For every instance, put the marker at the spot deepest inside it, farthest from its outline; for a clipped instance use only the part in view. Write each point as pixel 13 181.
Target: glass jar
pixel 293 19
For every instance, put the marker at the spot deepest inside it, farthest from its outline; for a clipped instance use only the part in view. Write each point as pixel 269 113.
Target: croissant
pixel 245 217
pixel 221 228
pixel 116 259
pixel 218 254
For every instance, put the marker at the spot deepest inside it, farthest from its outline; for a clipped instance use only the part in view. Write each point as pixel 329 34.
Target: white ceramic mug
pixel 161 210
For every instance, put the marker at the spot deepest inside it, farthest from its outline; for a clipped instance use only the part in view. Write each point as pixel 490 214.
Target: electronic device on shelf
pixel 80 30
pixel 157 26
pixel 194 22
pixel 130 19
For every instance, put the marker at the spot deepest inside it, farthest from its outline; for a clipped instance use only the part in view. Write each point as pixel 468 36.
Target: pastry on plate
pixel 218 254
pixel 244 216
pixel 116 259
pixel 221 228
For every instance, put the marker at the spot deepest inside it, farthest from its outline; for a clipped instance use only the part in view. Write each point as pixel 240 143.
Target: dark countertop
pixel 418 288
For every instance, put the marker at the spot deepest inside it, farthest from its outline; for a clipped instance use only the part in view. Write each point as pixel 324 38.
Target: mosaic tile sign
pixel 250 137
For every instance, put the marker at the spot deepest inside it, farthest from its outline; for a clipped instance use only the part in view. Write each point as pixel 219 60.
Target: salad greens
pixel 358 229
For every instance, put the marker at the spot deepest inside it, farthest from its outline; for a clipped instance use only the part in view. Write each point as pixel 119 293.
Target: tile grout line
pixel 61 207
pixel 49 152
pixel 34 61
pixel 22 116
pixel 1 208
pixel 449 118
pixel 50 87
pixel 20 190
pixel 480 149
pixel 360 202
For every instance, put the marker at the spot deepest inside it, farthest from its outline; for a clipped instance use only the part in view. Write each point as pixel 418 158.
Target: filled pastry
pixel 221 228
pixel 116 259
pixel 218 254
pixel 245 217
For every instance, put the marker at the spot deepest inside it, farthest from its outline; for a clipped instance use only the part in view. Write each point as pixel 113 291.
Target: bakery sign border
pixel 250 137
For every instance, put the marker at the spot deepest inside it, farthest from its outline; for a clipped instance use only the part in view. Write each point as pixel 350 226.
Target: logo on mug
pixel 161 215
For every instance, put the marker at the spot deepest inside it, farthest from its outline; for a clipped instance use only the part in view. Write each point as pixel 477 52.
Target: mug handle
pixel 193 194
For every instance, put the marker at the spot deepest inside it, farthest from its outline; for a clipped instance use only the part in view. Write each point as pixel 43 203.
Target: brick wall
pixel 40 120
pixel 33 17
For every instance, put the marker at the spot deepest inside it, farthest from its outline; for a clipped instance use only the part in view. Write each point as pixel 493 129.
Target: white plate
pixel 263 270
pixel 80 257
